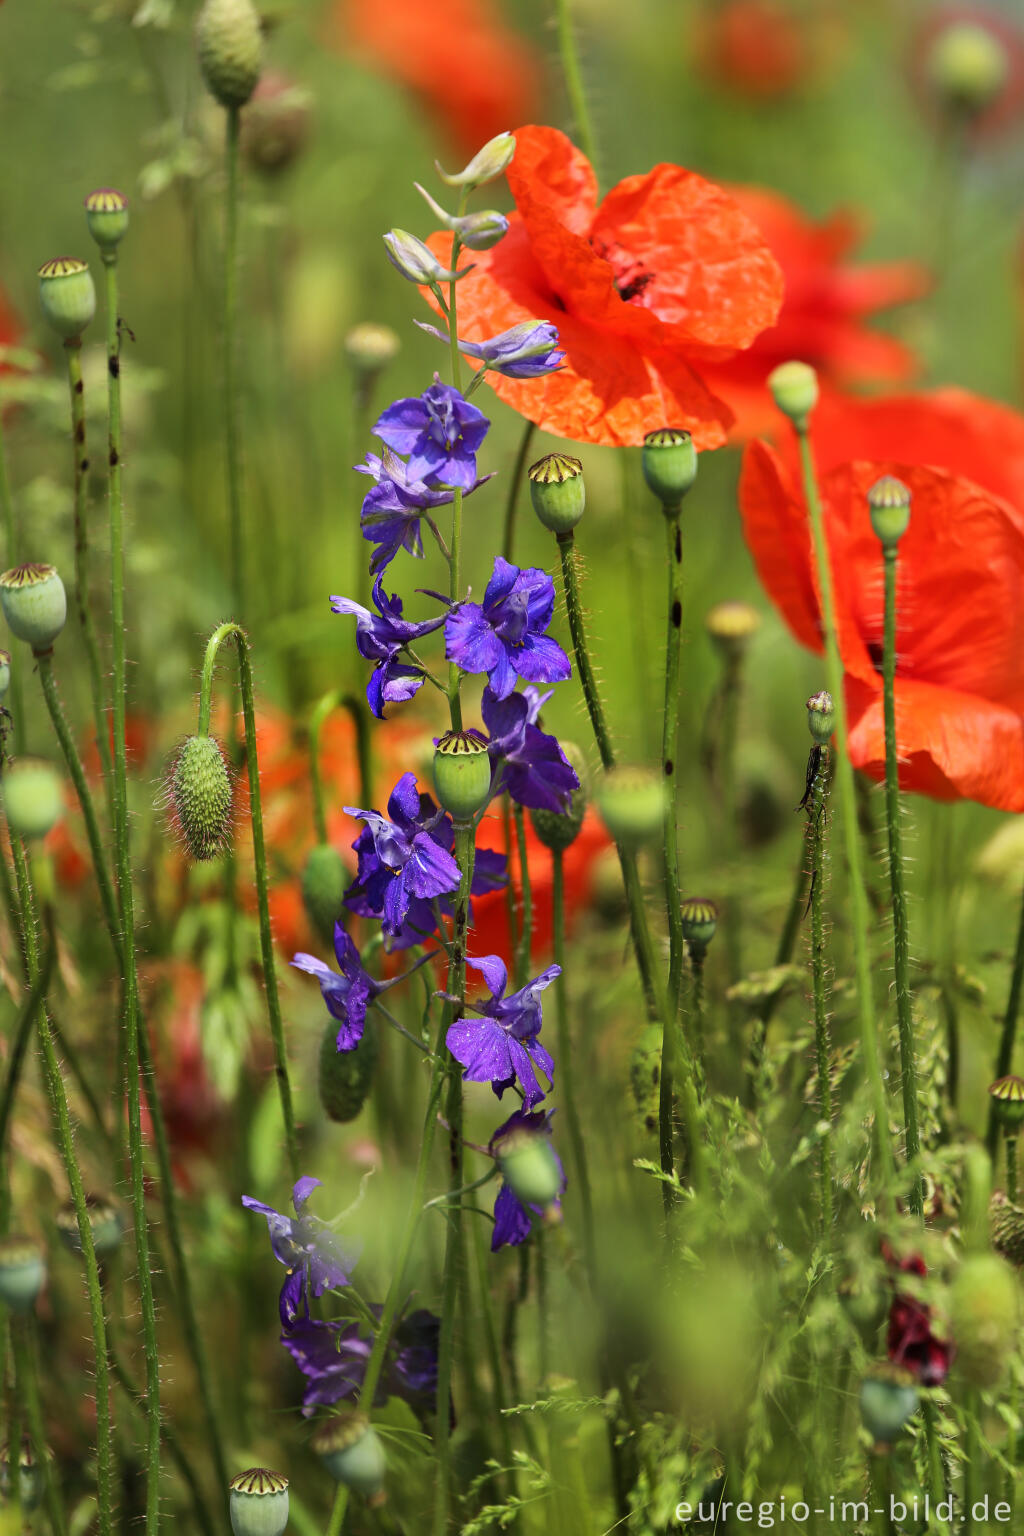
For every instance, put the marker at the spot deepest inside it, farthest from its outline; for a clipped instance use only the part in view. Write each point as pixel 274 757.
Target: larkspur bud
pixel 369 347
pixel 700 919
pixel 732 626
pixel 967 67
pixel 229 41
pixel 324 883
pixel 889 505
pixel 201 796
pixel 1007 1094
pixel 34 603
pixel 462 774
pixel 670 465
pixel 106 213
pixel 794 388
pixel 1006 1223
pixel 258 1503
pixel 559 830
pixel 821 717
pixel 486 165
pixel 529 1166
pixel 558 491
pixel 30 1481
pixel 888 1397
pixel 477 231
pixel 33 797
pixel 416 261
pixel 984 1310
pixel 105 1224
pixel 631 802
pixel 68 295
pixel 22 1272
pixel 5 674
pixel 351 1450
pixel 344 1078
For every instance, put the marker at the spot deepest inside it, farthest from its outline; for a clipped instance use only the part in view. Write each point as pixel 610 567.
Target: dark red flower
pixel 911 1341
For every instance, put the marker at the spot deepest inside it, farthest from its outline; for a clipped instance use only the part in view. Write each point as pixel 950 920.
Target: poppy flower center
pixel 629 274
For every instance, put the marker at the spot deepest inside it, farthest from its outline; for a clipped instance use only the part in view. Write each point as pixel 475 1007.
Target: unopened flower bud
pixel 416 261
pixel 888 1397
pixel 370 347
pixel 5 674
pixel 30 1480
pixel 344 1078
pixel 105 1224
pixel 462 774
pixel 889 505
pixel 731 626
pixel 794 388
pixel 984 1311
pixel 68 295
pixel 324 882
pixel 557 491
pixel 670 465
pixel 230 44
pixel 106 213
pixel 201 796
pixel 1006 1222
pixel 351 1451
pixel 700 919
pixel 258 1503
pixel 34 603
pixel 22 1272
pixel 33 797
pixel 275 129
pixel 558 830
pixel 1007 1094
pixel 486 165
pixel 529 1166
pixel 967 66
pixel 477 231
pixel 821 717
pixel 632 804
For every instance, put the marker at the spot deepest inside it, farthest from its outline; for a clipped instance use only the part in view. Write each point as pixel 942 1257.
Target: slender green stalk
pixel 1011 1169
pixel 357 712
pixel 565 1067
pixel 525 944
pixel 232 433
pixel 27 1378
pixel 901 941
pixel 80 460
pixel 822 1036
pixel 733 925
pixel 783 955
pixel 859 916
pixel 11 557
pixel 14 1421
pixel 20 1036
pixel 323 708
pixel 514 488
pixel 1008 1036
pixel 574 81
pixel 673 886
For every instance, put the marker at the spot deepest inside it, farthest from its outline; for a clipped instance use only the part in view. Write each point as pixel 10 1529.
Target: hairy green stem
pixel 80 460
pixel 1008 1036
pixel 23 1344
pixel 232 433
pixel 11 557
pixel 565 1066
pixel 573 77
pixel 783 955
pixel 822 1037
pixel 514 488
pixel 1011 1169
pixel 673 886
pixel 521 969
pixel 20 1036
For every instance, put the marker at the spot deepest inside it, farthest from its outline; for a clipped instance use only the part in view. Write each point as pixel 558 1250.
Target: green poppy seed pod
pixel 258 1503
pixel 983 1313
pixel 462 774
pixel 33 797
pixel 645 1075
pixel 529 1166
pixel 889 505
pixel 35 604
pixel 558 491
pixel 369 348
pixel 351 1451
pixel 888 1397
pixel 1006 1223
pixel 486 165
pixel 821 717
pixel 324 882
pixel 700 919
pixel 344 1078
pixel 631 802
pixel 201 796
pixel 794 388
pixel 230 45
pixel 670 465
pixel 30 1482
pixel 558 830
pixel 5 674
pixel 105 1224
pixel 732 626
pixel 1007 1094
pixel 967 66
pixel 22 1272
pixel 68 295
pixel 106 213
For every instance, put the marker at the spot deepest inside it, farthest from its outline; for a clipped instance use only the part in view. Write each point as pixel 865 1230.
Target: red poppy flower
pixel 960 617
pixel 757 48
pixel 473 73
pixel 664 276
pixel 822 320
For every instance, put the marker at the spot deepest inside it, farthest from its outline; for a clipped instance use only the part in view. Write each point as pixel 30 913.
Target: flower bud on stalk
pixel 632 804
pixel 105 1223
pixel 30 1483
pixel 22 1272
pixel 276 127
pixel 889 505
pixel 476 231
pixel 888 1397
pixel 559 830
pixel 462 774
pixel 670 465
pixel 201 796
pixel 700 920
pixel 486 165
pixel 230 45
pixel 352 1453
pixel 529 1166
pixel 821 717
pixel 258 1503
pixel 557 491
pixel 68 295
pixel 35 604
pixel 794 388
pixel 416 261
pixel 324 882
pixel 731 626
pixel 106 213
pixel 984 1308
pixel 967 66
pixel 344 1078
pixel 33 797
pixel 1007 1093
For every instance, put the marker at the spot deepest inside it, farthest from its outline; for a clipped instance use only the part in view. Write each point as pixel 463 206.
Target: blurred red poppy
pixel 664 276
pixel 910 1340
pixel 758 48
pixel 960 617
pixel 966 68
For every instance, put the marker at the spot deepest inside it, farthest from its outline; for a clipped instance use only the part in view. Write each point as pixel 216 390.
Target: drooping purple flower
pixel 525 351
pixel 333 1357
pixel 500 1045
pixel 504 636
pixel 529 764
pixel 347 994
pixel 409 862
pixel 394 507
pixel 380 638
pixel 315 1257
pixel 440 431
pixel 514 1221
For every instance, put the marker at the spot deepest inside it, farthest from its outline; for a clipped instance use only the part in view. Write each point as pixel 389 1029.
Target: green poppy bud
pixel 889 505
pixel 794 388
pixel 5 674
pixel 35 604
pixel 22 1272
pixel 230 45
pixel 700 919
pixel 558 830
pixel 732 626
pixel 984 1311
pixel 324 882
pixel 201 796
pixel 33 796
pixel 344 1078
pixel 106 213
pixel 529 1166
pixel 1006 1223
pixel 486 165
pixel 888 1397
pixel 557 491
pixel 30 1481
pixel 632 804
pixel 1007 1094
pixel 370 347
pixel 351 1451
pixel 258 1503
pixel 821 717
pixel 462 774
pixel 670 465
pixel 645 1075
pixel 105 1224
pixel 967 66
pixel 68 295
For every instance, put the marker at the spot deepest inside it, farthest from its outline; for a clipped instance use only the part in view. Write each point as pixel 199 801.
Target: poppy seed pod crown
pixel 67 294
pixel 700 920
pixel 106 213
pixel 794 388
pixel 258 1503
pixel 350 1449
pixel 34 604
pixel 731 626
pixel 1007 1093
pixel 821 717
pixel 558 491
pixel 670 465
pixel 462 774
pixel 889 505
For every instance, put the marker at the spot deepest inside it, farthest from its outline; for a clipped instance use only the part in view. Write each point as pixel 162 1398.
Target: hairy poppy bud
pixel 731 626
pixel 557 491
pixel 529 1166
pixel 821 717
pixel 5 674
pixel 888 1397
pixel 105 1223
pixel 351 1451
pixel 486 165
pixel 983 1310
pixel 106 213
pixel 22 1272
pixel 344 1078
pixel 967 66
pixel 558 830
pixel 370 347
pixel 258 1503
pixel 35 604
pixel 30 1482
pixel 1007 1094
pixel 794 388
pixel 230 45
pixel 670 465
pixel 33 797
pixel 700 919
pixel 889 505
pixel 1006 1222
pixel 416 261
pixel 68 295
pixel 645 1075
pixel 201 796
pixel 324 882
pixel 632 804
pixel 462 774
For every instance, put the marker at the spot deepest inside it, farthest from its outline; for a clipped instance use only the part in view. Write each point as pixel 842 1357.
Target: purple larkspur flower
pixel 315 1257
pixel 500 1045
pixel 530 765
pixel 347 991
pixel 504 636
pixel 409 862
pixel 333 1357
pixel 514 1221
pixel 441 433
pixel 525 351
pixel 380 638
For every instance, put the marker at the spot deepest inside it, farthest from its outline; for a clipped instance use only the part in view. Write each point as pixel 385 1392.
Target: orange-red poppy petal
pixel 775 528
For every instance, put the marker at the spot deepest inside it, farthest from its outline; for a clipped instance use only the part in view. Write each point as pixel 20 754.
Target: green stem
pixel 323 708
pixel 11 556
pixel 901 941
pixel 232 435
pixel 20 1036
pixel 27 1378
pixel 358 714
pixel 822 1039
pixel 523 948
pixel 515 486
pixel 733 925
pixel 80 460
pixel 176 1450
pixel 1011 1169
pixel 783 955
pixel 574 81
pixel 1004 1060
pixel 673 887
pixel 565 1067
